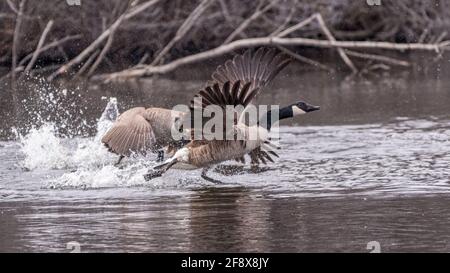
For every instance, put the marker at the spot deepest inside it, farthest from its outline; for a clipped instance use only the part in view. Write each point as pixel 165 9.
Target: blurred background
pixel 145 34
pixel 61 44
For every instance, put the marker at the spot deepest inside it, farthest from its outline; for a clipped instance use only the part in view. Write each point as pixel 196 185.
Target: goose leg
pixel 160 157
pixel 207 178
pixel 120 159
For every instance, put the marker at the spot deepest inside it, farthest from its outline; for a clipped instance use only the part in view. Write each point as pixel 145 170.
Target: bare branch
pixel 305 60
pixel 16 39
pixel 297 26
pixel 105 49
pixel 49 46
pixel 93 46
pixel 87 63
pixel 330 37
pixel 12 7
pixel 377 58
pixel 247 21
pixel 286 21
pixel 184 28
pixel 267 41
pixel 39 46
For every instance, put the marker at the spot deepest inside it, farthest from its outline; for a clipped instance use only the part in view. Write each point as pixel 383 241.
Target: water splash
pixel 109 115
pixel 86 163
pixel 42 149
pixel 86 160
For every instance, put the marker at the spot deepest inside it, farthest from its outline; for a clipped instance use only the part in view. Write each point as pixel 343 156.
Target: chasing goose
pixel 139 130
pixel 205 153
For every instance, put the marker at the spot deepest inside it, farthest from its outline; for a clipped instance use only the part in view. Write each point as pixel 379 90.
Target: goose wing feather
pixel 131 133
pixel 259 68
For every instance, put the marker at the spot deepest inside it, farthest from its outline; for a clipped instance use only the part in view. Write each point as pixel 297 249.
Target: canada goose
pixel 139 130
pixel 204 153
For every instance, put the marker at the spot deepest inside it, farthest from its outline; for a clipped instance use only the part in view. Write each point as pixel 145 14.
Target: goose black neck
pixel 267 120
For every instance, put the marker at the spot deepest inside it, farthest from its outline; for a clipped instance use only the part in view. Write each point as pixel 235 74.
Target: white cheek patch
pixel 297 111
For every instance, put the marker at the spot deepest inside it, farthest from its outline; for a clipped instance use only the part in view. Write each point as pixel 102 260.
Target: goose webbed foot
pixel 120 160
pixel 160 157
pixel 205 176
pixel 258 169
pixel 153 174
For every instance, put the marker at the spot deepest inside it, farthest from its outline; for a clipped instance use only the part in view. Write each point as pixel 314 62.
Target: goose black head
pixel 301 108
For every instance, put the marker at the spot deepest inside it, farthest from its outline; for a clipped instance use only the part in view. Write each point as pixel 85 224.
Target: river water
pixel 371 166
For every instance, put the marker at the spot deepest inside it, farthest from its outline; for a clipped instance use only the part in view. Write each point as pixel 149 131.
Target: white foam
pixel 43 150
pixel 86 163
pixel 87 160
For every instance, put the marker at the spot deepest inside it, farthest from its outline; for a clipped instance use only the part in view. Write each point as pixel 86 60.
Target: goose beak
pixel 311 108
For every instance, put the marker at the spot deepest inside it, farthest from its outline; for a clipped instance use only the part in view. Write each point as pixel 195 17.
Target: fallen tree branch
pixel 93 46
pixel 296 26
pixel 49 46
pixel 377 58
pixel 12 7
pixel 105 49
pixel 39 46
pixel 247 21
pixel 305 60
pixel 330 37
pixel 266 41
pixel 361 44
pixel 88 62
pixel 286 21
pixel 16 39
pixel 184 28
pixel 318 17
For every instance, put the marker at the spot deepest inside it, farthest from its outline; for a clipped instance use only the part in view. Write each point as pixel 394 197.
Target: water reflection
pixel 231 220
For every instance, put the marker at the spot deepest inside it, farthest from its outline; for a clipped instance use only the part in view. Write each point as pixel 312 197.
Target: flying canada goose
pixel 139 130
pixel 204 153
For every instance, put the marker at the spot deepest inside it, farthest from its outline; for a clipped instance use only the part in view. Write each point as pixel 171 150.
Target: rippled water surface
pixel 336 186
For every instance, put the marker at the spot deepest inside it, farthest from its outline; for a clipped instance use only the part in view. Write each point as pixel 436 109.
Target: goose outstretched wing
pixel 131 133
pixel 257 68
